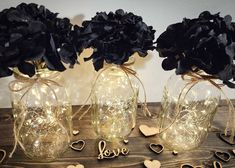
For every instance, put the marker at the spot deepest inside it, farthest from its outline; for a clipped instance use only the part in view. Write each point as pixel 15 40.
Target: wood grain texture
pixel 138 145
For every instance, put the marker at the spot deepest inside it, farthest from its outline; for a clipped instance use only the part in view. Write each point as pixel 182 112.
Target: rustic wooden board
pixel 138 145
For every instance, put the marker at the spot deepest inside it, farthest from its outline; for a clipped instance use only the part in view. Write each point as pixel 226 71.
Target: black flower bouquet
pixel 33 40
pixel 202 50
pixel 33 37
pixel 115 37
pixel 206 43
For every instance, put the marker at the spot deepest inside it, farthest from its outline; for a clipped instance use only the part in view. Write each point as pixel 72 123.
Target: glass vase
pixel 114 103
pixel 42 114
pixel 187 112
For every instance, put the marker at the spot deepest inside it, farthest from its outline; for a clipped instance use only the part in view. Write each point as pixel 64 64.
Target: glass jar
pixel 42 114
pixel 114 103
pixel 187 127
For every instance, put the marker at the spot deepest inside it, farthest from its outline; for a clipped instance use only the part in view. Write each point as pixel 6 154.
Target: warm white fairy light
pixel 43 89
pixel 37 102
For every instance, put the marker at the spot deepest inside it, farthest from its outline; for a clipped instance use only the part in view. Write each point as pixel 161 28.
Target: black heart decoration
pixel 189 166
pixel 186 166
pixel 226 138
pixel 217 164
pixel 157 148
pixel 79 143
pixel 5 117
pixel 3 155
pixel 224 156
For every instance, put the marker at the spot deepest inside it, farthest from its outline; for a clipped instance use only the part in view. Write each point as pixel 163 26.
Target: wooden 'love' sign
pixel 109 154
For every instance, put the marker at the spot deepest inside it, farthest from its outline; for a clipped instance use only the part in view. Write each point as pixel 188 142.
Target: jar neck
pixel 199 75
pixel 39 73
pixel 128 63
pixel 46 73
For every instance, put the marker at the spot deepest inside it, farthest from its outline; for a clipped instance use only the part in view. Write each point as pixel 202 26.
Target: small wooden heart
pixel 125 141
pixel 224 156
pixel 157 148
pixel 174 152
pixel 226 138
pixel 133 126
pixel 152 164
pixel 3 156
pixel 233 151
pixel 78 145
pixel 77 166
pixel 148 131
pixel 217 164
pixel 75 132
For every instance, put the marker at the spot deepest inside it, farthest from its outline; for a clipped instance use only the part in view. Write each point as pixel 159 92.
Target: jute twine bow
pixel 28 83
pixel 192 79
pixel 127 71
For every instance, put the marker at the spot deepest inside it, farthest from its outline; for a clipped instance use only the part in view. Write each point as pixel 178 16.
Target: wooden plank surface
pixel 138 146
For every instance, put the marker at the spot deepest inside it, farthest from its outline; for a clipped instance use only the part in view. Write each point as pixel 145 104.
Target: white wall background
pixel 158 13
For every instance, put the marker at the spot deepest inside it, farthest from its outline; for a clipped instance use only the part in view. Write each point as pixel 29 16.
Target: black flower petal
pixel 4 71
pixel 230 50
pixel 98 61
pixel 68 54
pixel 53 63
pixel 169 63
pixel 26 68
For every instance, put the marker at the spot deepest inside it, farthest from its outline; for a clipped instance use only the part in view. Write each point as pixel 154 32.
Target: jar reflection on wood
pixel 42 113
pixel 187 128
pixel 114 101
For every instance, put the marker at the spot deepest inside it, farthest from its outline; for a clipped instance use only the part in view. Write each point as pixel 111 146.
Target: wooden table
pixel 138 145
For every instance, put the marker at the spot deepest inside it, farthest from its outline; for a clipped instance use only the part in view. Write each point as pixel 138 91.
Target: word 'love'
pixel 109 154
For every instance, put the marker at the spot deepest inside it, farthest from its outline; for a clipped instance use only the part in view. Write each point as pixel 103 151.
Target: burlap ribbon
pixel 127 71
pixel 22 83
pixel 192 78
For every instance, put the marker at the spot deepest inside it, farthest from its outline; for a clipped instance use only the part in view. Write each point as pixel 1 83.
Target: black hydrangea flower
pixel 205 43
pixel 32 34
pixel 116 36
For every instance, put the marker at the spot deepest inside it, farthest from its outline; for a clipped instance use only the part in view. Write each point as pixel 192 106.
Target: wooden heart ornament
pixel 3 155
pixel 224 156
pixel 148 131
pixel 174 152
pixel 78 145
pixel 233 151
pixel 157 148
pixel 152 164
pixel 77 166
pixel 126 141
pixel 75 132
pixel 226 138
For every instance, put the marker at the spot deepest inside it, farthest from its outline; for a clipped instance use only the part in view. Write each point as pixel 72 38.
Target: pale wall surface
pixel 158 13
